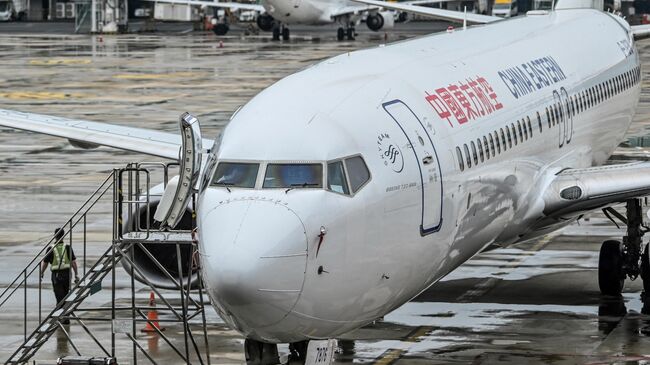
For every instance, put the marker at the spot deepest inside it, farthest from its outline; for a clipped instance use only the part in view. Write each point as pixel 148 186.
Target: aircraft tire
pixel 286 34
pixel 611 277
pixel 350 34
pixel 340 34
pixel 221 29
pixel 276 33
pixel 260 353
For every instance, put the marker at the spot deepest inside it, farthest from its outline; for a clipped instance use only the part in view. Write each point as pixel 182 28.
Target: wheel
pixel 276 33
pixel 220 29
pixel 340 34
pixel 298 353
pixel 285 34
pixel 260 353
pixel 610 268
pixel 645 270
pixel 350 34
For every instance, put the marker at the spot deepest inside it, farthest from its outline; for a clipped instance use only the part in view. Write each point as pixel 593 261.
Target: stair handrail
pixel 105 185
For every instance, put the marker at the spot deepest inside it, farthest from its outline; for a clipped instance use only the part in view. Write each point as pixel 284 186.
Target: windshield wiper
pixel 226 185
pixel 302 185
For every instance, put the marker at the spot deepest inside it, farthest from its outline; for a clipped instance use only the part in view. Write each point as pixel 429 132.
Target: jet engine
pixel 166 254
pixel 380 20
pixel 265 22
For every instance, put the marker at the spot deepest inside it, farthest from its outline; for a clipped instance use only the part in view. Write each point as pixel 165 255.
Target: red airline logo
pixel 464 101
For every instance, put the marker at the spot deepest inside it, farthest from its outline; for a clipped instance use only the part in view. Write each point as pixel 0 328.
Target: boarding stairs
pixel 128 191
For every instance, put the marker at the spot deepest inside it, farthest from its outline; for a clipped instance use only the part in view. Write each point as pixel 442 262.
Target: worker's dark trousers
pixel 61 284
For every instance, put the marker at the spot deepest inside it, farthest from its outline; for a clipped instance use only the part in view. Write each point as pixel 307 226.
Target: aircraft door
pixel 568 128
pixel 560 117
pixel 426 158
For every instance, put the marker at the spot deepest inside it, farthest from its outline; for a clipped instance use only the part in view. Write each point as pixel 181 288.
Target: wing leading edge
pixel 575 191
pixel 90 134
pixel 450 15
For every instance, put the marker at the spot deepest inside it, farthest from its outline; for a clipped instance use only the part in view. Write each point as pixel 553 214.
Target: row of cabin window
pixel 577 104
pixel 494 142
pixel 595 95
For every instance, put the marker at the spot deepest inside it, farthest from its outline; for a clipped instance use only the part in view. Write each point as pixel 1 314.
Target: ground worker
pixel 60 258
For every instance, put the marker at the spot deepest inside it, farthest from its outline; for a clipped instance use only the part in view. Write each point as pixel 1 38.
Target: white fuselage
pixel 420 216
pixel 311 12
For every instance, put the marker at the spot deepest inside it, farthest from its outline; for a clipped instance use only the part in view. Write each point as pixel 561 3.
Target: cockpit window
pixel 336 180
pixel 293 176
pixel 357 172
pixel 242 175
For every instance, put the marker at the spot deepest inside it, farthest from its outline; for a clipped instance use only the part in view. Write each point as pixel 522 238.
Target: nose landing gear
pixel 627 259
pixel 260 353
pixel 281 30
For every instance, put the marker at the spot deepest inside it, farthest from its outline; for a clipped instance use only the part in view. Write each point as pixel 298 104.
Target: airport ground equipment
pixel 127 192
pixel 627 259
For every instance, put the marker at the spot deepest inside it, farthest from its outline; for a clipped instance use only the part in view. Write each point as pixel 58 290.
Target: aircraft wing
pixel 450 15
pixel 361 8
pixel 641 31
pixel 574 191
pixel 225 5
pixel 88 134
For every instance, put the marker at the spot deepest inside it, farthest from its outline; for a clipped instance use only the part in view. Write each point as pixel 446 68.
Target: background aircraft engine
pixel 265 22
pixel 166 254
pixel 381 20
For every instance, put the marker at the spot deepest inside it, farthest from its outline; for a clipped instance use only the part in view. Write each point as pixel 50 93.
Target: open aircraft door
pixel 425 155
pixel 177 196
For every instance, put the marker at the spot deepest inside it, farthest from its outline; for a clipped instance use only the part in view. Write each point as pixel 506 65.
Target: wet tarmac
pixel 536 303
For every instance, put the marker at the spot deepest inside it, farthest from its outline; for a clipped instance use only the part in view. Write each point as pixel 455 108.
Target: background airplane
pixel 277 15
pixel 399 163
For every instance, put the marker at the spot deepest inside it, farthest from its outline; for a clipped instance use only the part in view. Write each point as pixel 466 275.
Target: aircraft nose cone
pixel 256 258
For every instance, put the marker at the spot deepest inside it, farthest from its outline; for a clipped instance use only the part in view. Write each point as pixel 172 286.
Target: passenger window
pixel 509 137
pixel 474 154
pixel 492 145
pixel 498 143
pixel 336 180
pixel 530 128
pixel 480 149
pixel 357 172
pixel 548 118
pixel 525 135
pixel 539 121
pixel 467 156
pixel 236 174
pixel 459 156
pixel 487 147
pixel 293 176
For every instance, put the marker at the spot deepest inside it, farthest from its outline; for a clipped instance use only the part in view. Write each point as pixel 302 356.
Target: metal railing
pixel 130 201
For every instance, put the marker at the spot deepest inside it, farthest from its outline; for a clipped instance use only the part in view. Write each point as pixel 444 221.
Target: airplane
pixel 276 15
pixel 341 192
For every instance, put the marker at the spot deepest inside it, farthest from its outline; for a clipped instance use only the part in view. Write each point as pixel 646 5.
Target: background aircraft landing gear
pixel 618 261
pixel 281 30
pixel 343 33
pixel 261 353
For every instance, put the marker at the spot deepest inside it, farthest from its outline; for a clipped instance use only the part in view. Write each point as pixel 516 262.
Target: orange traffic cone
pixel 152 316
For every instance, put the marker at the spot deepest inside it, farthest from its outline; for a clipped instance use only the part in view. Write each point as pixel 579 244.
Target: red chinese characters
pixel 465 101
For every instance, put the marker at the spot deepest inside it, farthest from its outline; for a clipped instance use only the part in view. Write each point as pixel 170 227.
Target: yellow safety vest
pixel 61 261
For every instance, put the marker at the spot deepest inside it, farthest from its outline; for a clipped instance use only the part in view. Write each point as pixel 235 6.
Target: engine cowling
pixel 265 22
pixel 380 20
pixel 165 254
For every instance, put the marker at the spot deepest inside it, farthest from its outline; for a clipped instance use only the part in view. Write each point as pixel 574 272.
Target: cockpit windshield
pixel 242 175
pixel 293 176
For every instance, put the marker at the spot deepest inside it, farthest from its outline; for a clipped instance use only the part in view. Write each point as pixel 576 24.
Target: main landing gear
pixel 281 30
pixel 260 353
pixel 627 259
pixel 347 32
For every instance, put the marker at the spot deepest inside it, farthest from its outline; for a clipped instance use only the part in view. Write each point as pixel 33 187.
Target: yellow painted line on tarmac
pixel 60 61
pixel 389 357
pixel 39 95
pixel 142 76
